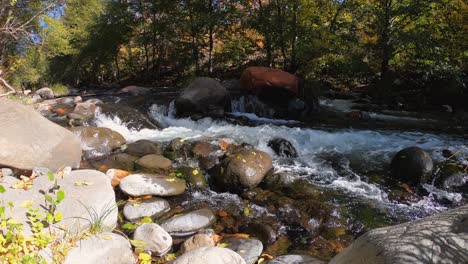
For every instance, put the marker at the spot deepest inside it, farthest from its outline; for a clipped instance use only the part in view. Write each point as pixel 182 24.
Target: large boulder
pixel 27 140
pixel 270 83
pixel 88 196
pixel 441 238
pixel 106 248
pixel 203 97
pixel 412 165
pixel 98 142
pixel 243 168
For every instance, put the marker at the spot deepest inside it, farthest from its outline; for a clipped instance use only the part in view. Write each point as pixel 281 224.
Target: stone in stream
pixel 98 142
pixel 143 147
pixel 203 97
pixel 283 148
pixel 295 259
pixel 189 223
pixel 152 184
pixel 440 238
pixel 195 242
pixel 176 144
pixel 86 110
pixel 106 248
pixel 203 149
pixel 155 238
pixel 45 93
pixel 243 168
pixel 86 191
pixel 412 165
pixel 27 140
pixel 210 255
pixel 121 161
pixel 154 208
pixel 248 248
pixel 264 232
pixel 193 176
pixel 154 163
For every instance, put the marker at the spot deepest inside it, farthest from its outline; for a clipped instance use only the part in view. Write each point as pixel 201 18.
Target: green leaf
pixel 2 189
pixel 58 217
pixel 138 243
pixel 50 176
pixel 129 226
pixel 60 196
pixel 49 217
pixel 146 220
pixel 49 199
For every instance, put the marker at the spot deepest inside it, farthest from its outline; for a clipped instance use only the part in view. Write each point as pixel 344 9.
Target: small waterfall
pixel 172 111
pixel 251 104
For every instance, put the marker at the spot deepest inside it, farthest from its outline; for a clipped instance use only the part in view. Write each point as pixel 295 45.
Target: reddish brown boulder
pixel 262 79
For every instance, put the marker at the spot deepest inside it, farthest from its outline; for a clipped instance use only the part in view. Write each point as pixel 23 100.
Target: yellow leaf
pixel 222 245
pixel 195 172
pixel 171 179
pixel 27 203
pixel 83 183
pixel 261 260
pixel 170 257
pixel 246 211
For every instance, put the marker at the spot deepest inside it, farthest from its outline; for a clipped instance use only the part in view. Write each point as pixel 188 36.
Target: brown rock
pixel 196 241
pixel 154 162
pixel 116 176
pixel 258 79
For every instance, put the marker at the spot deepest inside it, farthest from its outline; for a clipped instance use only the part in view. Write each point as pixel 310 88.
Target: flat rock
pixel 152 184
pixel 154 162
pixel 98 142
pixel 210 255
pixel 143 147
pixel 296 259
pixel 27 139
pixel 155 238
pixel 441 238
pixel 154 207
pixel 248 248
pixel 108 248
pixel 86 191
pixel 189 223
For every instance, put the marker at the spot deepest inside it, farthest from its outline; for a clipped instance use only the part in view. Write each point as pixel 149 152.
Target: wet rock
pixel 106 248
pixel 195 242
pixel 295 259
pixel 154 163
pixel 210 255
pixel 249 249
pixel 134 90
pixel 154 208
pixel 262 231
pixel 116 176
pixel 202 149
pixel 412 165
pixel 155 238
pixel 176 144
pixel 152 184
pixel 85 191
pixel 203 97
pixel 45 93
pixel 98 142
pixel 131 116
pixel 245 168
pixel 451 176
pixel 87 110
pixel 283 148
pixel 207 163
pixel 94 101
pixel 194 177
pixel 27 139
pixel 121 161
pixel 436 239
pixel 143 147
pixel 189 223
pixel 232 85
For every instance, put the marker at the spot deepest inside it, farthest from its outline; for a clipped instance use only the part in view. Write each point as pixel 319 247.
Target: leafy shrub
pixel 59 89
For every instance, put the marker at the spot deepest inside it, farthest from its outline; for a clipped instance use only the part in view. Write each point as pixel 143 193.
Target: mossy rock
pixel 194 177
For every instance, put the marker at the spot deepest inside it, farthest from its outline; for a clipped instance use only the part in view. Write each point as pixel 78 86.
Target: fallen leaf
pixel 407 188
pixel 222 245
pixel 171 180
pixel 83 183
pixel 223 213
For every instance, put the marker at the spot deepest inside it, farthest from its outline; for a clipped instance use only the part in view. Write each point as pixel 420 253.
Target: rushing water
pixel 339 159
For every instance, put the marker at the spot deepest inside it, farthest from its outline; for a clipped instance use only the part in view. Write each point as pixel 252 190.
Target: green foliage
pixel 59 89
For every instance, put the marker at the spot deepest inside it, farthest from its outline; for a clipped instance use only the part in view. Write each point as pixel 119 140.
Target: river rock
pixel 189 223
pixel 295 259
pixel 154 208
pixel 210 255
pixel 98 142
pixel 244 168
pixel 203 97
pixel 155 238
pixel 143 147
pixel 441 238
pixel 45 93
pixel 106 248
pixel 86 110
pixel 202 149
pixel 194 177
pixel 121 161
pixel 134 90
pixel 249 249
pixel 264 232
pixel 176 144
pixel 27 140
pixel 451 176
pixel 94 101
pixel 260 80
pixel 152 184
pixel 154 162
pixel 195 242
pixel 85 191
pixel 283 148
pixel 412 165
pixel 116 176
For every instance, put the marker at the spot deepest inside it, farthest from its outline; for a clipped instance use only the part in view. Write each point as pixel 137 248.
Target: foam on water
pixel 317 148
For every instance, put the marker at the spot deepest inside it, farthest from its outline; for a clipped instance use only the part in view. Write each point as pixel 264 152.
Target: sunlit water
pixel 338 159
